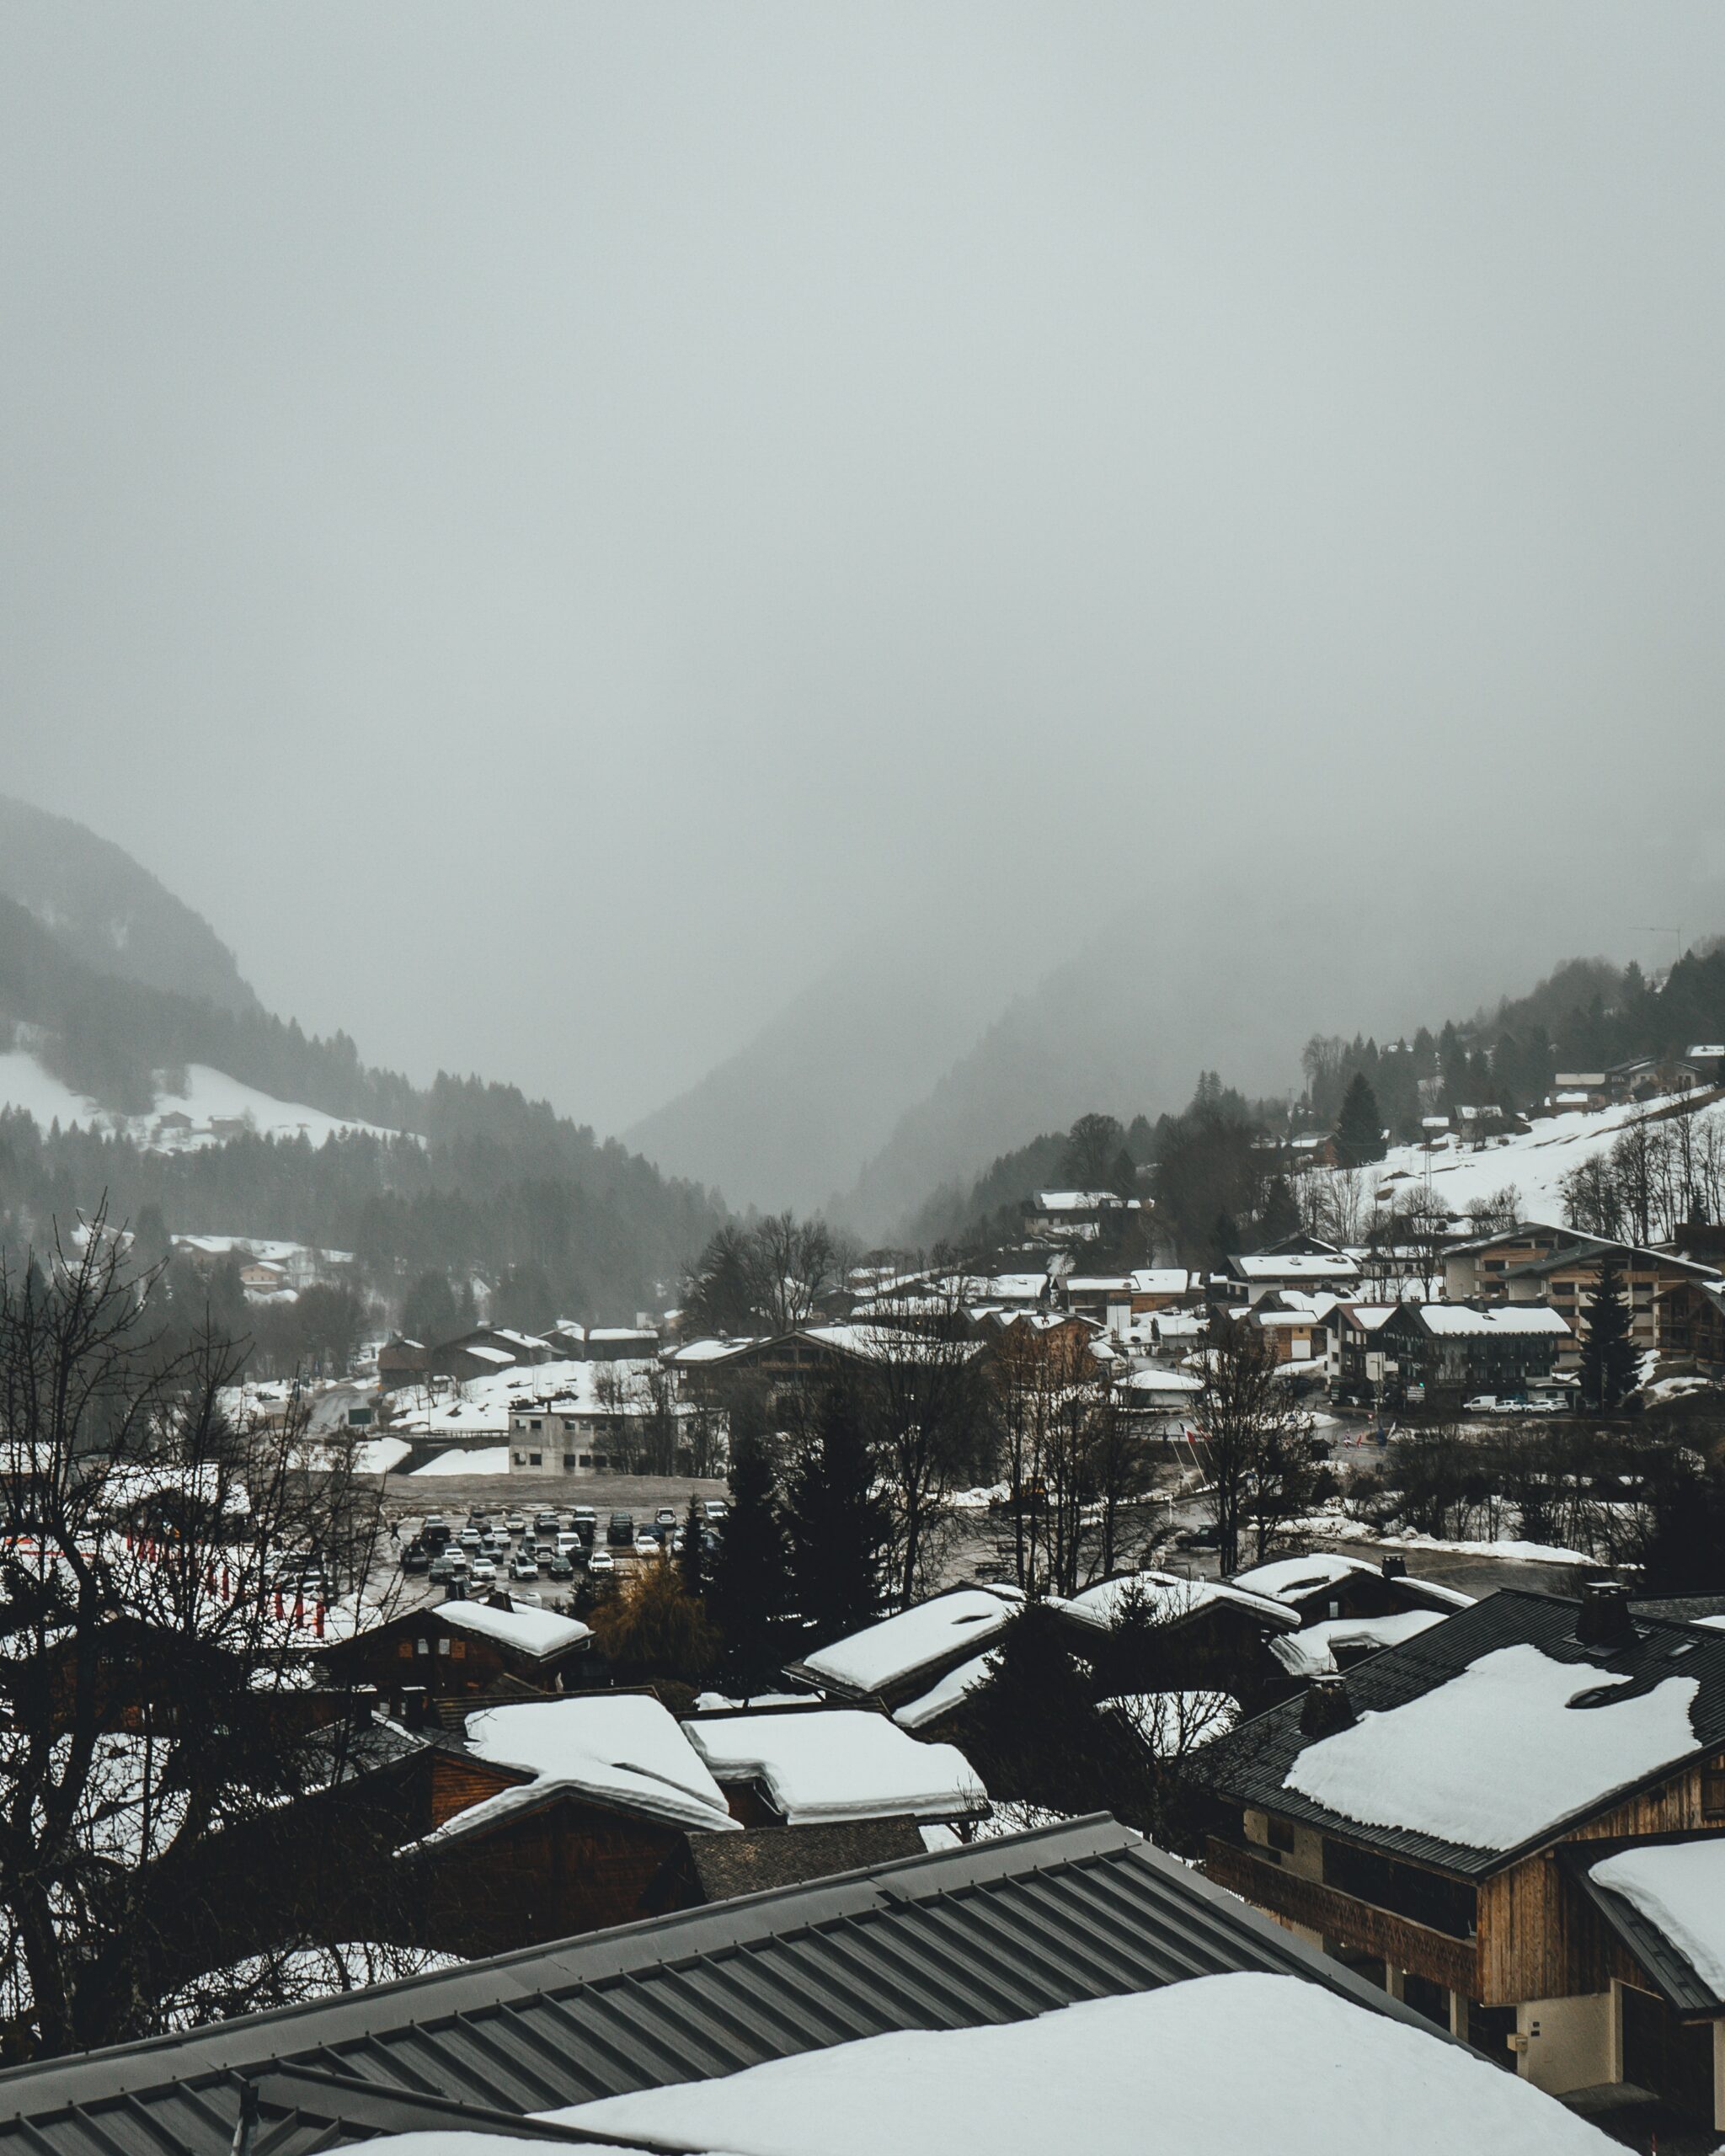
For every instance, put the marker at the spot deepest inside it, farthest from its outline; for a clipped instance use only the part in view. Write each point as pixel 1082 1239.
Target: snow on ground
pixel 1165 1598
pixel 883 1653
pixel 378 1455
pixel 840 1763
pixel 480 1407
pixel 210 1097
pixel 1680 1888
pixel 1536 1163
pixel 1499 1753
pixel 1339 1527
pixel 1114 2077
pixel 487 1459
pixel 622 1749
pixel 1312 1653
pixel 942 1698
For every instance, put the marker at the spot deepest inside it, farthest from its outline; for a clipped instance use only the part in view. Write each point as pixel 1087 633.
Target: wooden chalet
pixel 901 1660
pixel 462 1647
pixel 1436 1819
pixel 1688 1319
pixel 1152 1632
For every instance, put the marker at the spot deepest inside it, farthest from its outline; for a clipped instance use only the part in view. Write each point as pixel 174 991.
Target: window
pixel 1281 1836
pixel 406 1649
pixel 458 1649
pixel 1446 1905
pixel 1713 1794
pixel 536 1424
pixel 568 1463
pixel 533 1460
pixel 443 1646
pixel 423 1646
pixel 586 1460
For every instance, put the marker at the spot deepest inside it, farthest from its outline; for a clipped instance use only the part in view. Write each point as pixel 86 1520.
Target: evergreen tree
pixel 839 1528
pixel 1280 1217
pixel 693 1563
pixel 749 1588
pixel 1359 1128
pixel 1608 1352
pixel 428 1315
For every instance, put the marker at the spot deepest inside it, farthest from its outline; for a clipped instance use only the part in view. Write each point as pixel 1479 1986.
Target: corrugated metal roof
pixel 1669 1969
pixel 990 1933
pixel 1251 1763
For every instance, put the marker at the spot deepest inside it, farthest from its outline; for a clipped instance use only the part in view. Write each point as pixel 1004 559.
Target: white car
pixel 483 1569
pixel 524 1567
pixel 601 1561
pixel 646 1545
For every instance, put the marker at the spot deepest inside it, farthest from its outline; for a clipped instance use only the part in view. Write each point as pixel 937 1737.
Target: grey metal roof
pixel 1671 1970
pixel 989 1934
pixel 1251 1763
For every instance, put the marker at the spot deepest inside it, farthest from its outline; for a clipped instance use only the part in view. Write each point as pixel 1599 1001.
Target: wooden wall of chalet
pixel 549 1872
pixel 1539 1938
pixel 458 1664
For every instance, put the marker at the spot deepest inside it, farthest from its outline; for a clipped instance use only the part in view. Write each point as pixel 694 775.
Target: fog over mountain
pixel 760 573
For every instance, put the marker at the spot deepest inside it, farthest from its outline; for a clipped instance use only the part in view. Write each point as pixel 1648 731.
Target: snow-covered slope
pixel 212 1103
pixel 1535 1162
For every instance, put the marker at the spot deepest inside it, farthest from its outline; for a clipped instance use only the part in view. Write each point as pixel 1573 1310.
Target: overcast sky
pixel 548 523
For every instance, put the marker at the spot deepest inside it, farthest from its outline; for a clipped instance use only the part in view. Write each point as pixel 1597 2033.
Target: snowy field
pixel 1536 1163
pixel 210 1097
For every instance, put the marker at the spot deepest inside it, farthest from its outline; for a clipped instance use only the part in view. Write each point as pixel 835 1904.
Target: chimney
pixel 1604 1621
pixel 1395 1568
pixel 498 1599
pixel 1326 1707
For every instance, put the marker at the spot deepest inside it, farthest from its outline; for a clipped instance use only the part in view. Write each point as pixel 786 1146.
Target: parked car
pixel 620 1532
pixel 434 1530
pixel 523 1567
pixel 713 1509
pixel 646 1545
pixel 485 1569
pixel 601 1561
pixel 567 1541
pixel 586 1523
pixel 416 1558
pixel 451 1565
pixel 516 1523
pixel 665 1516
pixel 545 1523
pixel 557 1567
pixel 469 1540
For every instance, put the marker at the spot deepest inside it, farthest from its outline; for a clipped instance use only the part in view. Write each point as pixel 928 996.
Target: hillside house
pixel 1355 1359
pixel 1445 1818
pixel 1152 1632
pixel 1564 1279
pixel 1475 1272
pixel 463 1648
pixel 1439 1354
pixel 551 1818
pixel 1302 1263
pixel 1688 1319
pixel 1078 1215
pixel 899 1660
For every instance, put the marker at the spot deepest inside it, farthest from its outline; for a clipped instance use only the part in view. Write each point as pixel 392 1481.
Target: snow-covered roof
pixel 1222 2066
pixel 1295 1265
pixel 887 1653
pixel 1459 1322
pixel 499 1357
pixel 1680 1888
pixel 943 1695
pixel 1516 1743
pixel 525 1628
pixel 1291 1579
pixel 693 1351
pixel 1170 1382
pixel 620 1748
pixel 1098 1283
pixel 1076 1200
pixel 1160 1280
pixel 1167 1598
pixel 840 1763
pixel 1312 1653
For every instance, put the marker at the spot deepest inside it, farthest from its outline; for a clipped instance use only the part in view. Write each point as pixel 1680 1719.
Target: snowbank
pixel 488 1459
pixel 1499 1753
